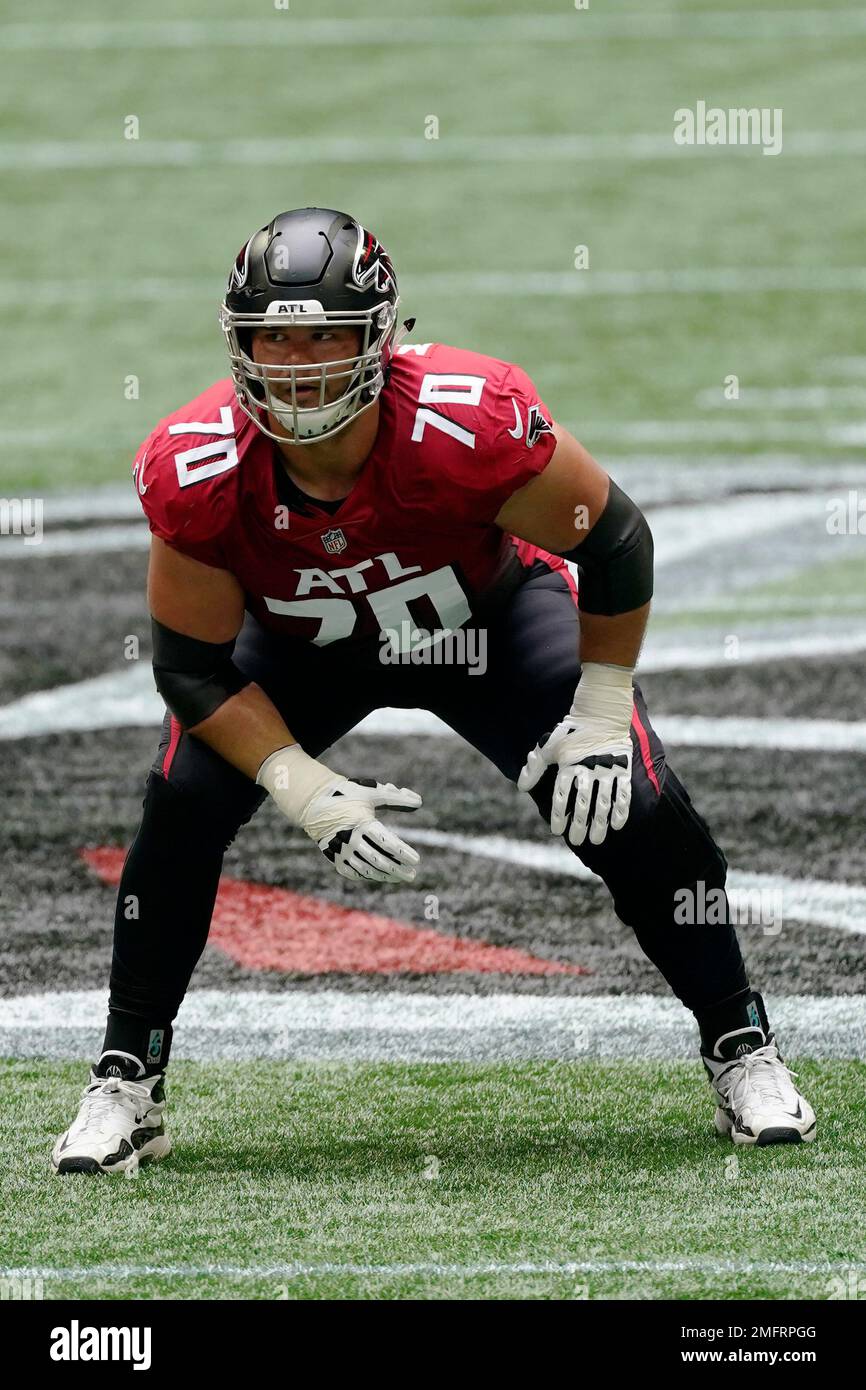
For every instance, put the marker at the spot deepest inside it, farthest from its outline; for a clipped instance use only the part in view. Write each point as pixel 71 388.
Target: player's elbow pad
pixel 616 559
pixel 194 678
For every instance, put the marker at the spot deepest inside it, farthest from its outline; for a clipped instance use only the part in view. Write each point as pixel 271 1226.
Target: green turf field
pixel 611 1171
pixel 115 250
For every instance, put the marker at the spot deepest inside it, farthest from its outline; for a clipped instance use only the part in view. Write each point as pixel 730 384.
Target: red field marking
pixel 265 928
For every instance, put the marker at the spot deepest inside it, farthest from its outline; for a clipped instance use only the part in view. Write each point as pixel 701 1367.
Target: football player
pixel 341 496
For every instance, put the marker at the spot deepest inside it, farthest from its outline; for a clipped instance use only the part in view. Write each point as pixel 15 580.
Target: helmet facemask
pixel 268 389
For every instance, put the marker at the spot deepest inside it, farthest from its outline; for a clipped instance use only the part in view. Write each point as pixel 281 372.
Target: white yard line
pixel 697 280
pixel 105 502
pixel 44 156
pixel 685 1264
pixel 776 26
pixel 89 540
pixel 689 731
pixel 117 700
pixel 844 366
pixel 680 532
pixel 851 435
pixel 670 479
pixel 801 735
pixel 698 731
pixel 128 699
pixel 820 902
pixel 743 604
pixel 718 431
pixel 348 1025
pixel 783 398
pixel 14 294
pixel 807 647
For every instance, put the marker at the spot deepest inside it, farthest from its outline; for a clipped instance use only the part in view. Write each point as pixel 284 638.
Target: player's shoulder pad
pixel 186 472
pixel 452 380
pixel 414 361
pixel 486 429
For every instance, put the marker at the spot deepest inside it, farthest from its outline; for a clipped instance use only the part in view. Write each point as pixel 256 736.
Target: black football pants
pixel 196 802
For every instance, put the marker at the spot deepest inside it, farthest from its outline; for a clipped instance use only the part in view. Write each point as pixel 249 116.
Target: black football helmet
pixel 310 266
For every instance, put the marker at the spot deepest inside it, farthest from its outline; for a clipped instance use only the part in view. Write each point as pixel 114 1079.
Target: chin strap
pixel 399 337
pixel 402 333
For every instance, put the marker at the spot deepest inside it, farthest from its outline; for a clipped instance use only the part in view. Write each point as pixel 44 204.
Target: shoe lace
pixel 764 1071
pixel 105 1094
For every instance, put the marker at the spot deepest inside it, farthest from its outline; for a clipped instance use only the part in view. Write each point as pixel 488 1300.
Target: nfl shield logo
pixel 334 541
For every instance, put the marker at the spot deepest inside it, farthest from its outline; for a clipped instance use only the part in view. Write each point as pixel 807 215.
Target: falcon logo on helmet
pixel 372 264
pixel 238 274
pixel 312 267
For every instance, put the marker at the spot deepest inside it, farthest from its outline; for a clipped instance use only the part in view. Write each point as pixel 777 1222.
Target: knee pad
pixel 183 817
pixel 673 851
pixel 697 851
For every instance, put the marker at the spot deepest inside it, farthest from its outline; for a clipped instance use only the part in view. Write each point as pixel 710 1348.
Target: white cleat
pixel 758 1102
pixel 118 1126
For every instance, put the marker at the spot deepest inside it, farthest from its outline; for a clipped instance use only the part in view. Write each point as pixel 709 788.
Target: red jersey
pixel 413 542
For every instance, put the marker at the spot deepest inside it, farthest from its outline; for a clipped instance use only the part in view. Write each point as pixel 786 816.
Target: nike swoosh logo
pixel 518 423
pixel 139 475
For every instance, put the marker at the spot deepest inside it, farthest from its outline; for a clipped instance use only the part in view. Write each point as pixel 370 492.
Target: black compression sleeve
pixel 193 677
pixel 615 559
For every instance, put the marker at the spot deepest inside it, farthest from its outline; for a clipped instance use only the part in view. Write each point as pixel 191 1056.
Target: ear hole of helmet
pixel 245 343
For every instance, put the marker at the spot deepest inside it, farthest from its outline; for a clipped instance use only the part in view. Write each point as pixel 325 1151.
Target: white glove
pixel 592 748
pixel 338 814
